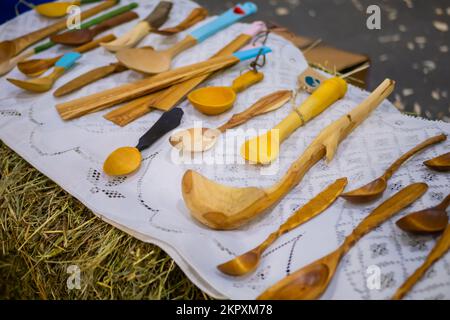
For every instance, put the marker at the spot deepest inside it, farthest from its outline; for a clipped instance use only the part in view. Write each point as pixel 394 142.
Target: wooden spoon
pixel 311 281
pixel 126 160
pixel 58 9
pixel 249 261
pixel 431 220
pixel 202 139
pixel 151 61
pixel 264 149
pixel 46 83
pixel 223 207
pixel 36 67
pixel 440 163
pixel 373 190
pixel 10 48
pixel 82 36
pixel 440 248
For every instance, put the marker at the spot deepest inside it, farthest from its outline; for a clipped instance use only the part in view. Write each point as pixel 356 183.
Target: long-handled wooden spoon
pixel 10 48
pixel 82 36
pixel 439 163
pixel 373 190
pixel 202 139
pixel 126 92
pixel 36 67
pixel 430 220
pixel 152 22
pixel 151 61
pixel 58 9
pixel 223 207
pixel 440 248
pixel 126 160
pixel 312 280
pixel 248 261
pixel 46 83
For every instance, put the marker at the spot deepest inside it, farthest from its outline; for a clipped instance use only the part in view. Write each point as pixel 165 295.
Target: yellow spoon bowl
pixel 54 9
pixel 122 161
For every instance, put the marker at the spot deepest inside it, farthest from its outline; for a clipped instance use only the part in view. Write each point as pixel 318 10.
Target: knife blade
pixel 89 77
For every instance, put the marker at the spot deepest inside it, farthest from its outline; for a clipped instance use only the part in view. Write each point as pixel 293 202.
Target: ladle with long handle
pixel 150 61
pixel 311 281
pixel 58 9
pixel 223 207
pixel 373 190
pixel 439 163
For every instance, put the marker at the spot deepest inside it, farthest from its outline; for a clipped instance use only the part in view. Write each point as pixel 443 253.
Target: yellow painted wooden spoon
pixel 58 9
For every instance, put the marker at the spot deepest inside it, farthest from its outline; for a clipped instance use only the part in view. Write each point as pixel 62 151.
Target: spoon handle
pixel 268 103
pixel 444 204
pixel 384 211
pixel 433 140
pixel 196 15
pixel 440 248
pixel 167 122
pixel 159 15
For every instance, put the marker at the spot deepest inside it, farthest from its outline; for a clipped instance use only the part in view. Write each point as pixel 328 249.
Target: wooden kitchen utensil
pixel 431 220
pixel 264 149
pixel 440 248
pixel 155 19
pixel 373 190
pixel 311 281
pixel 249 261
pixel 168 98
pixel 10 48
pixel 82 36
pixel 108 98
pixel 202 139
pixel 126 160
pixel 216 100
pixel 46 83
pixel 36 67
pixel 224 207
pixel 58 9
pixel 150 61
pixel 440 163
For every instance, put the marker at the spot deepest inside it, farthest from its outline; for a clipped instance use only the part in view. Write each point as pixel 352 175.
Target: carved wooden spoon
pixel 248 261
pixel 375 189
pixel 440 248
pixel 311 281
pixel 431 220
pixel 440 163
pixel 202 139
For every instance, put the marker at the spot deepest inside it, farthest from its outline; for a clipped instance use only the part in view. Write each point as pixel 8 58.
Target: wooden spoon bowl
pixel 195 139
pixel 7 50
pixel 367 193
pixel 440 163
pixel 35 85
pixel 122 161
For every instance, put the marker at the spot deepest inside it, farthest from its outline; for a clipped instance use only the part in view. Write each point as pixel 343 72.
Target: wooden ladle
pixel 223 207
pixel 202 139
pixel 46 83
pixel 373 190
pixel 58 9
pixel 82 36
pixel 431 220
pixel 311 281
pixel 439 163
pixel 36 67
pixel 248 261
pixel 151 61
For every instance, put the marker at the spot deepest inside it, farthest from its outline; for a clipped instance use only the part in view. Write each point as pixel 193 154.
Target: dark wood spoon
pixel 440 163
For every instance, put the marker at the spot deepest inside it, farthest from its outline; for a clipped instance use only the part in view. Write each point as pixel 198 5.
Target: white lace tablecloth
pixel 148 204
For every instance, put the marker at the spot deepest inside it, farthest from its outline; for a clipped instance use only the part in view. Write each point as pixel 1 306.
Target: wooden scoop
pixel 431 220
pixel 440 248
pixel 202 139
pixel 311 281
pixel 58 9
pixel 151 61
pixel 153 21
pixel 223 207
pixel 440 163
pixel 249 261
pixel 126 160
pixel 373 190
pixel 10 48
pixel 46 83
pixel 82 36
pixel 264 149
pixel 36 67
